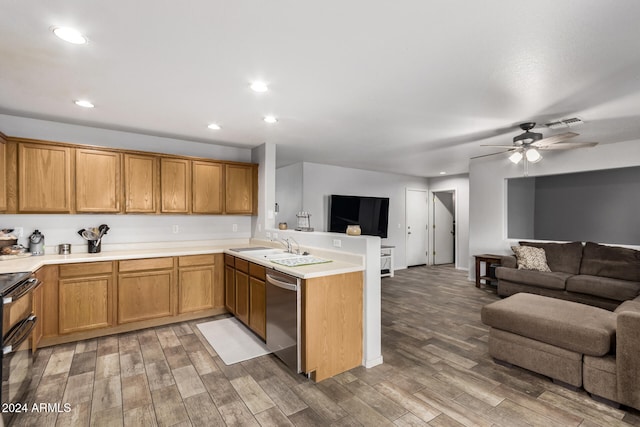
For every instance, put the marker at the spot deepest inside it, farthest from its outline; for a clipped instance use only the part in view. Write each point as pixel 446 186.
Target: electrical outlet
pixel 268 234
pixel 234 227
pixel 18 232
pixel 337 243
pixel 175 229
pixel 275 235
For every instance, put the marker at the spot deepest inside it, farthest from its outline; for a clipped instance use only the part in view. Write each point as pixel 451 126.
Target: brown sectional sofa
pixel 594 274
pixel 572 343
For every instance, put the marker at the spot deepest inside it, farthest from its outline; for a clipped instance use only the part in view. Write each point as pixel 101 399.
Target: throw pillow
pixel 530 258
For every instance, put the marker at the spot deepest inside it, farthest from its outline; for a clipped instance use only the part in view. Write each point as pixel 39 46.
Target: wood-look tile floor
pixel 436 372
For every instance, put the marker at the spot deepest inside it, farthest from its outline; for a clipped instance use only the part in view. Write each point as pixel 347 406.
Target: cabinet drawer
pixel 229 260
pixel 86 269
pixel 242 265
pixel 257 271
pixel 145 264
pixel 187 261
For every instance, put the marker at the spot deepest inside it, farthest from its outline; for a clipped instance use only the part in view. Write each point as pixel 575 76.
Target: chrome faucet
pixel 286 242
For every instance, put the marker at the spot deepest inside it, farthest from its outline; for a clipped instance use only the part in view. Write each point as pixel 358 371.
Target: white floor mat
pixel 233 341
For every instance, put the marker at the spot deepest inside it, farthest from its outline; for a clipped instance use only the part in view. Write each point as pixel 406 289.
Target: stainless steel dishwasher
pixel 283 318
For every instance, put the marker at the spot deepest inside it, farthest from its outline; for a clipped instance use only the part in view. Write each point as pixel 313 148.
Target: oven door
pixel 17 360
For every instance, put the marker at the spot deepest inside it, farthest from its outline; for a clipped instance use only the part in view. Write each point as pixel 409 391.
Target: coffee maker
pixel 36 243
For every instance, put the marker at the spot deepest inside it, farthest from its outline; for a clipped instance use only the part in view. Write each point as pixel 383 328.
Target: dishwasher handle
pixel 282 284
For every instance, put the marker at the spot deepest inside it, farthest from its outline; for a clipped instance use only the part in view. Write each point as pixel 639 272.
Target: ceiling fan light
pixel 533 155
pixel 516 157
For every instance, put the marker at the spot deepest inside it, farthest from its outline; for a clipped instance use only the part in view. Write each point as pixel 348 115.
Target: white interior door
pixel 416 234
pixel 443 228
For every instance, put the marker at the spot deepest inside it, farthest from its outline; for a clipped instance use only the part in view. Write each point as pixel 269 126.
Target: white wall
pixel 459 183
pixel 487 207
pixel 265 156
pixel 320 181
pixel 124 228
pixel 289 193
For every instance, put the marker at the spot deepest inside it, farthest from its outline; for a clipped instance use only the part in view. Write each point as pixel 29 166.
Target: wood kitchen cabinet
pixel 242 290
pixel 257 300
pixel 3 172
pixel 332 324
pixel 175 185
pixel 44 178
pixel 239 188
pixel 146 289
pixel 141 183
pixel 230 284
pixel 85 295
pixel 97 177
pixel 207 189
pixel 198 285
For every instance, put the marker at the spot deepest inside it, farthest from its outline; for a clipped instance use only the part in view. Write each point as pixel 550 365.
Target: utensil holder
pixel 95 246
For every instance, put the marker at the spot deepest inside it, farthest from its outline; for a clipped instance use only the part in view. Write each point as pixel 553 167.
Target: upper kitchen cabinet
pixel 175 185
pixel 207 190
pixel 3 173
pixel 240 181
pixel 44 178
pixel 141 183
pixel 98 186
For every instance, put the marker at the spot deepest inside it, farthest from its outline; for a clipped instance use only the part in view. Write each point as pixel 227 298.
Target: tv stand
pixel 386 261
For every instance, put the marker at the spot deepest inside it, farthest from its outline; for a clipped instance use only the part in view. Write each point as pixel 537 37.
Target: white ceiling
pixel 411 87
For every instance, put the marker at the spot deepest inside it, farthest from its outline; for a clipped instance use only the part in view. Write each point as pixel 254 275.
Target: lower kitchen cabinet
pixel 257 307
pixel 85 296
pixel 145 289
pixel 332 324
pixel 197 283
pixel 242 290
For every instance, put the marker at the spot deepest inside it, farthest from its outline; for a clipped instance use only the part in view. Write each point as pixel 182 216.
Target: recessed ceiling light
pixel 270 119
pixel 443 173
pixel 84 103
pixel 214 126
pixel 70 35
pixel 259 86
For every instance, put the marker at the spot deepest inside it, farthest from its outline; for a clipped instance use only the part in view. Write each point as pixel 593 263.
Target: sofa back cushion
pixel 610 261
pixel 564 257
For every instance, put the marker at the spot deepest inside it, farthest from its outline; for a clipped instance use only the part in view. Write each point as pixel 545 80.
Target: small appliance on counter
pixel 64 249
pixel 36 243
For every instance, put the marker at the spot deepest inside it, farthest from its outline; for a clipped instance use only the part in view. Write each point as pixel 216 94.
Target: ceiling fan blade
pixel 493 154
pixel 568 145
pixel 554 139
pixel 500 146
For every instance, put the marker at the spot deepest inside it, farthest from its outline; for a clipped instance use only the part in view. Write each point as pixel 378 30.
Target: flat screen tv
pixel 370 213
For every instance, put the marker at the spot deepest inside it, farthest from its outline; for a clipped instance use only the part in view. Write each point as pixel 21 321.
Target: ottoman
pixel 547 335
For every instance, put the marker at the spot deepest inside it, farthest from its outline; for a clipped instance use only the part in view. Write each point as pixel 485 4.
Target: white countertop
pixel 336 266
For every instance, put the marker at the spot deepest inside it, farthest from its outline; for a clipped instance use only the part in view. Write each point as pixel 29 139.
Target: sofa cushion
pixel 605 287
pixel 610 261
pixel 564 257
pixel 541 279
pixel 530 258
pixel 632 305
pixel 565 324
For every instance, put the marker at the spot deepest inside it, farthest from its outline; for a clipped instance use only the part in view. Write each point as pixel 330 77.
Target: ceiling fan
pixel 527 146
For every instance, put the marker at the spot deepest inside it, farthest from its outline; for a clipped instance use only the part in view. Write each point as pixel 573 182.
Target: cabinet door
pixel 44 178
pixel 230 288
pixel 242 296
pixel 145 295
pixel 257 307
pixel 141 183
pixel 3 173
pixel 85 303
pixel 195 289
pixel 207 187
pixel 175 185
pixel 239 189
pixel 98 187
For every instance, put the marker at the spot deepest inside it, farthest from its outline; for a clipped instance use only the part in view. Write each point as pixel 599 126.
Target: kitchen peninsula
pixel 90 295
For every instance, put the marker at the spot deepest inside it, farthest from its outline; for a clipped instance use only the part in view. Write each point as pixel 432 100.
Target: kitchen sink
pixel 298 260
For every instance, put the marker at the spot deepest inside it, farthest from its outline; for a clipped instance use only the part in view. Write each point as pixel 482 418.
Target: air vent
pixel 564 123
